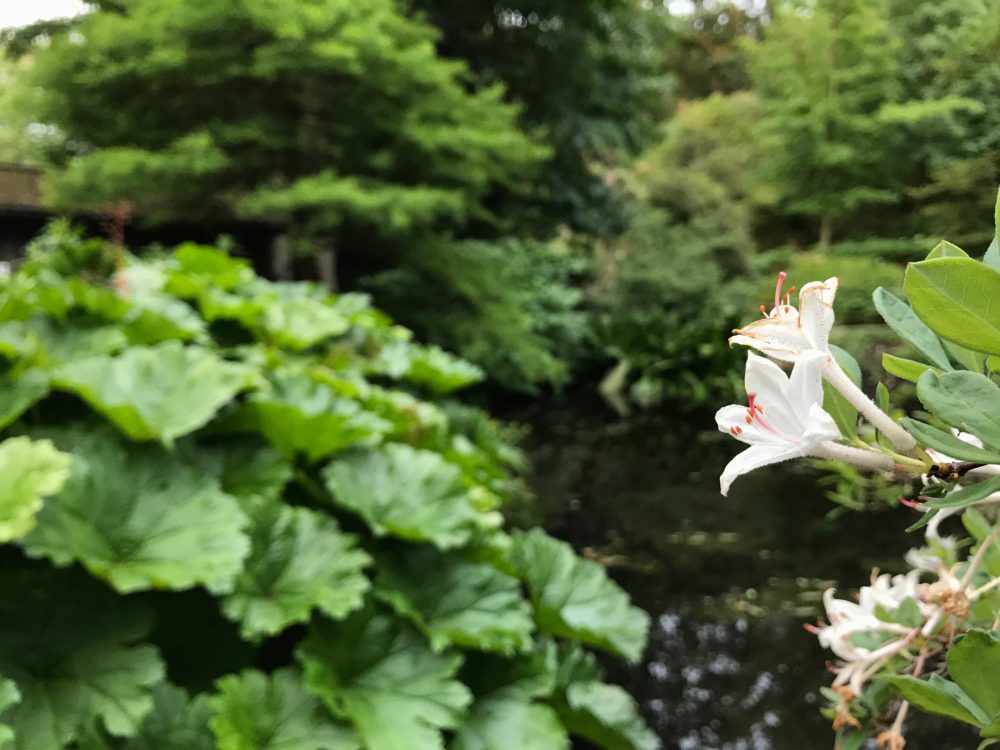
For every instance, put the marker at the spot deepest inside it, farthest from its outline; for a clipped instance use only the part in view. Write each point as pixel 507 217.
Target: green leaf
pixel 299 561
pixel 298 324
pixel 246 469
pixel 900 318
pixel 29 471
pixel 959 299
pixel 949 444
pixel 607 716
pixel 966 400
pixel 974 663
pixel 440 372
pixel 939 696
pixel 504 724
pixel 604 714
pixel 967 495
pixel 176 722
pixel 254 711
pixel 945 249
pixel 907 369
pixel 73 650
pixel 9 696
pixel 300 415
pixel 992 257
pixel 158 392
pixel 506 712
pixel 574 598
pixel 62 344
pixel 456 602
pixel 137 517
pixel 410 493
pixel 380 674
pixel 20 395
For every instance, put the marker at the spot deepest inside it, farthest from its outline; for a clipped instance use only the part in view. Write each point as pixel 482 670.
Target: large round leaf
pixel 575 598
pixel 139 518
pixel 255 711
pixel 410 493
pixel 29 471
pixel 380 674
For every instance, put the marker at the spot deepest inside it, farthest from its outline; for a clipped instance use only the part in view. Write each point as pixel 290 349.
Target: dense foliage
pixel 926 639
pixel 337 120
pixel 248 515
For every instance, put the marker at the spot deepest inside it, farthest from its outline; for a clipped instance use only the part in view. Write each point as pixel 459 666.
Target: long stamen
pixel 777 289
pixel 754 410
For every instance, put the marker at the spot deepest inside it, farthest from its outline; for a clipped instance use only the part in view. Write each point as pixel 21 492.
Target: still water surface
pixel 729 582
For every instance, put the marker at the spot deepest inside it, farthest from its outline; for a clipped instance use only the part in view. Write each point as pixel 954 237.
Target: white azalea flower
pixel 786 332
pixel 784 418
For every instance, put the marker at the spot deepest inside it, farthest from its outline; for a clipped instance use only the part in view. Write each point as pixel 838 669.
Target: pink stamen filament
pixel 777 289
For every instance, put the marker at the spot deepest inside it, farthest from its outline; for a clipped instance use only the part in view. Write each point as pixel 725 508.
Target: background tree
pixel 588 74
pixel 823 76
pixel 335 119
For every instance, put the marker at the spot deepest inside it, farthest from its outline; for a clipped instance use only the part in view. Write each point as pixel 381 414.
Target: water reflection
pixel 729 581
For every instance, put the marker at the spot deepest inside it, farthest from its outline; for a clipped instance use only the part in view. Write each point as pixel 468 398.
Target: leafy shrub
pixel 266 527
pixel 513 307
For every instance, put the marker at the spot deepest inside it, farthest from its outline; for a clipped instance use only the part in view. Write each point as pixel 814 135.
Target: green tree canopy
pixel 335 118
pixel 824 74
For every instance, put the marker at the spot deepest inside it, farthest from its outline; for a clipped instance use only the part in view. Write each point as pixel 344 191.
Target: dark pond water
pixel 729 582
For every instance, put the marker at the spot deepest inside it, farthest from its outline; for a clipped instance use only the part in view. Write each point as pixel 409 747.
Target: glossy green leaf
pixel 177 722
pixel 255 711
pixel 74 651
pixel 29 471
pixel 440 372
pixel 907 369
pixel 966 400
pixel 456 602
pixel 158 392
pixel 139 518
pixel 301 416
pixel 971 493
pixel 409 493
pixel 945 249
pixel 938 696
pixel 992 257
pixel 299 561
pixel 949 444
pixel 379 673
pixel 974 663
pixel 900 317
pixel 959 299
pixel 574 597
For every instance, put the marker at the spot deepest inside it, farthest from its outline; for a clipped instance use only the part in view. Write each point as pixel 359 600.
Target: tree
pixel 334 119
pixel 588 74
pixel 824 74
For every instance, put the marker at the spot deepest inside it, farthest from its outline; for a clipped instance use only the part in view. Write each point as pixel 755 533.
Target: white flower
pixel 786 332
pixel 784 418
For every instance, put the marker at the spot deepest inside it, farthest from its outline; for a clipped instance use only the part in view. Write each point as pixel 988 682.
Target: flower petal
pixel 769 383
pixel 816 312
pixel 779 337
pixel 734 416
pixel 820 429
pixel 805 385
pixel 754 457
